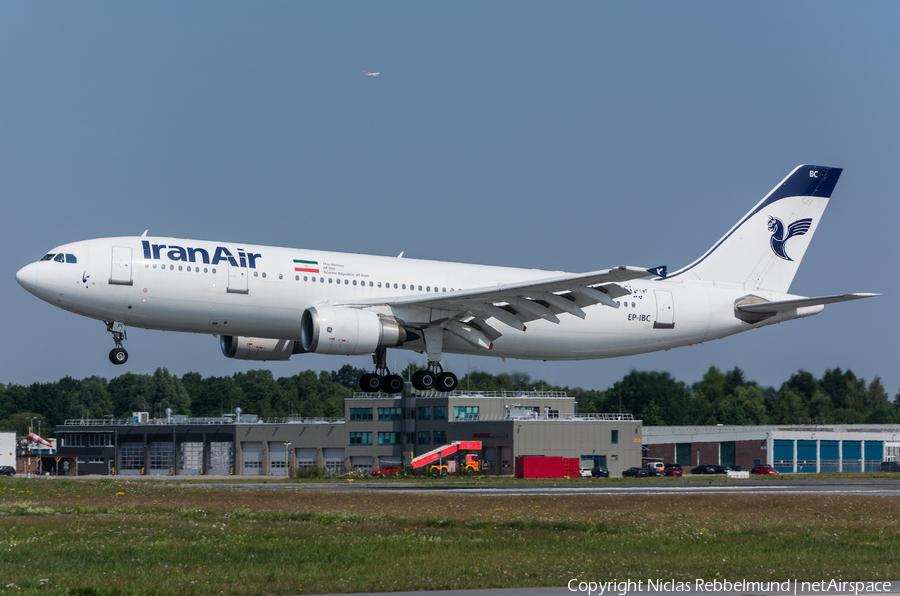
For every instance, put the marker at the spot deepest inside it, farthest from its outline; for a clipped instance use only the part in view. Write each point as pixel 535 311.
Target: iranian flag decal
pixel 306 266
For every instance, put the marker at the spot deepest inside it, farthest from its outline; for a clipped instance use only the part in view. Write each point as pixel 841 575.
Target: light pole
pixel 287 459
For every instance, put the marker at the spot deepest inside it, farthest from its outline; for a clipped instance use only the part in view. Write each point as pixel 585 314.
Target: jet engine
pixel 348 331
pixel 258 348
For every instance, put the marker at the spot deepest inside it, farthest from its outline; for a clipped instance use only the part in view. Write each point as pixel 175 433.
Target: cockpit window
pixel 59 258
pixel 48 257
pixel 71 259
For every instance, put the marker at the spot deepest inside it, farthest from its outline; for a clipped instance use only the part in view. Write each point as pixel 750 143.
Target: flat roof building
pixel 376 430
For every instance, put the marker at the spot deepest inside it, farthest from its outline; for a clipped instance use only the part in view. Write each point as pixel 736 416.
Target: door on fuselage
pixel 238 280
pixel 665 310
pixel 120 273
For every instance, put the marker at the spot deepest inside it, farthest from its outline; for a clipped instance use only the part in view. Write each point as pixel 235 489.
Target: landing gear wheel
pixel 118 356
pixel 370 383
pixel 392 384
pixel 423 380
pixel 446 382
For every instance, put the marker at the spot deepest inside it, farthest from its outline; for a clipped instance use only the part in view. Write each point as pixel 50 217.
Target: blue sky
pixel 573 136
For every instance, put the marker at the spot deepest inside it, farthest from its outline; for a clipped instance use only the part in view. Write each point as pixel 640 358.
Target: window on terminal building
pixel 360 413
pixel 390 414
pixel 424 437
pixel 440 412
pixel 615 437
pixel 361 438
pixel 465 412
pixel 440 437
pixel 389 438
pixel 425 413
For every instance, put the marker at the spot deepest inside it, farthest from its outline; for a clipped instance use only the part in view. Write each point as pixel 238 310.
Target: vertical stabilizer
pixel 764 249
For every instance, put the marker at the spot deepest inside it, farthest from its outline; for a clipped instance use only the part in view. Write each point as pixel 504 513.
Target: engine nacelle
pixel 348 331
pixel 258 348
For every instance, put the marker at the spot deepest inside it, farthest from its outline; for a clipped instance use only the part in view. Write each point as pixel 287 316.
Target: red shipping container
pixel 571 467
pixel 539 467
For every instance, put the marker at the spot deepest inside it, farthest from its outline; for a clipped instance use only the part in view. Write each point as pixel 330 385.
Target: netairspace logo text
pixel 791 587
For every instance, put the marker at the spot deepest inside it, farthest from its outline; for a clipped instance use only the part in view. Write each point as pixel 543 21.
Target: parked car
pixel 654 465
pixel 672 470
pixel 386 471
pixel 890 466
pixel 7 471
pixel 584 472
pixel 655 471
pixel 636 473
pixel 737 468
pixel 600 472
pixel 763 469
pixel 708 469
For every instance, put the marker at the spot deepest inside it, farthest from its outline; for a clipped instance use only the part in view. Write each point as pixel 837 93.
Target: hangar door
pixel 278 458
pixel 252 458
pixel 221 457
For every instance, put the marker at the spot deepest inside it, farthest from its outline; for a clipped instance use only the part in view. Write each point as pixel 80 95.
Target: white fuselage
pixel 217 288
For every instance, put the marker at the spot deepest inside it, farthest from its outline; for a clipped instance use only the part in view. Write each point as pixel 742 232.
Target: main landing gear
pixel 117 355
pixel 434 377
pixel 381 379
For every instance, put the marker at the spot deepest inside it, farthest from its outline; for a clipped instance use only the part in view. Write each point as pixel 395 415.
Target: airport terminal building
pixel 376 430
pixel 801 448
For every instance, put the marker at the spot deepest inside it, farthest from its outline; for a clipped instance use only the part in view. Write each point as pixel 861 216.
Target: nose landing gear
pixel 117 355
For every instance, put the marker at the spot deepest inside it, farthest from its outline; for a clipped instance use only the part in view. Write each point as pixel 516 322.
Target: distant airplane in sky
pixel 268 303
pixel 371 74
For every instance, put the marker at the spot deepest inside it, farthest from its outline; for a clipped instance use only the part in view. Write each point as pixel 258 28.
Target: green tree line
pixel 839 397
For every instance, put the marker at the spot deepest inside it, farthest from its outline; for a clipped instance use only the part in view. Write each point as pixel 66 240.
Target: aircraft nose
pixel 27 277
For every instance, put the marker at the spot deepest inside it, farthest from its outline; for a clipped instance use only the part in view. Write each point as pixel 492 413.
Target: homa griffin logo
pixel 191 255
pixel 780 236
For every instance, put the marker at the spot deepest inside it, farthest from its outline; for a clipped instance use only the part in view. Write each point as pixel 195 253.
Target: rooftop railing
pixel 467 394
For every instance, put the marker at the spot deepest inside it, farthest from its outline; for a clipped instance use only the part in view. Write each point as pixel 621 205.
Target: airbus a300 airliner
pixel 268 303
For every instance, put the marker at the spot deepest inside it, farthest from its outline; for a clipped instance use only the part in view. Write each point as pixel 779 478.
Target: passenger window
pixel 395 286
pixel 264 274
pixel 154 265
pixel 214 270
pixel 371 284
pixel 346 282
pixel 47 257
pixel 322 280
pixel 354 282
pixel 71 259
pixel 404 286
pixel 420 288
pixel 297 278
pixel 171 267
pixel 280 276
pixel 330 280
pixel 146 265
pixel 179 267
pixel 379 284
pixel 443 289
pixel 59 258
pixel 205 270
pixel 427 288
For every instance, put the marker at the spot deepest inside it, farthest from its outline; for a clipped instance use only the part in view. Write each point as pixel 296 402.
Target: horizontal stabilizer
pixel 782 305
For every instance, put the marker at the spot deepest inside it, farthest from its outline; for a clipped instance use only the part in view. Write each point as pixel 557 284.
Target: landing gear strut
pixel 381 379
pixel 117 355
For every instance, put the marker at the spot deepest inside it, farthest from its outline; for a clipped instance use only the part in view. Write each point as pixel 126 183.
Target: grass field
pixel 114 536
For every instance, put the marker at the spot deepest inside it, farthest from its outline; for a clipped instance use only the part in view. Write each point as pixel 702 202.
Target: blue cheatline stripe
pixel 799 183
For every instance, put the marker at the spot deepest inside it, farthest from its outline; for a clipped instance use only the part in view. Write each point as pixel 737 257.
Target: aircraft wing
pixel 515 304
pixel 780 305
